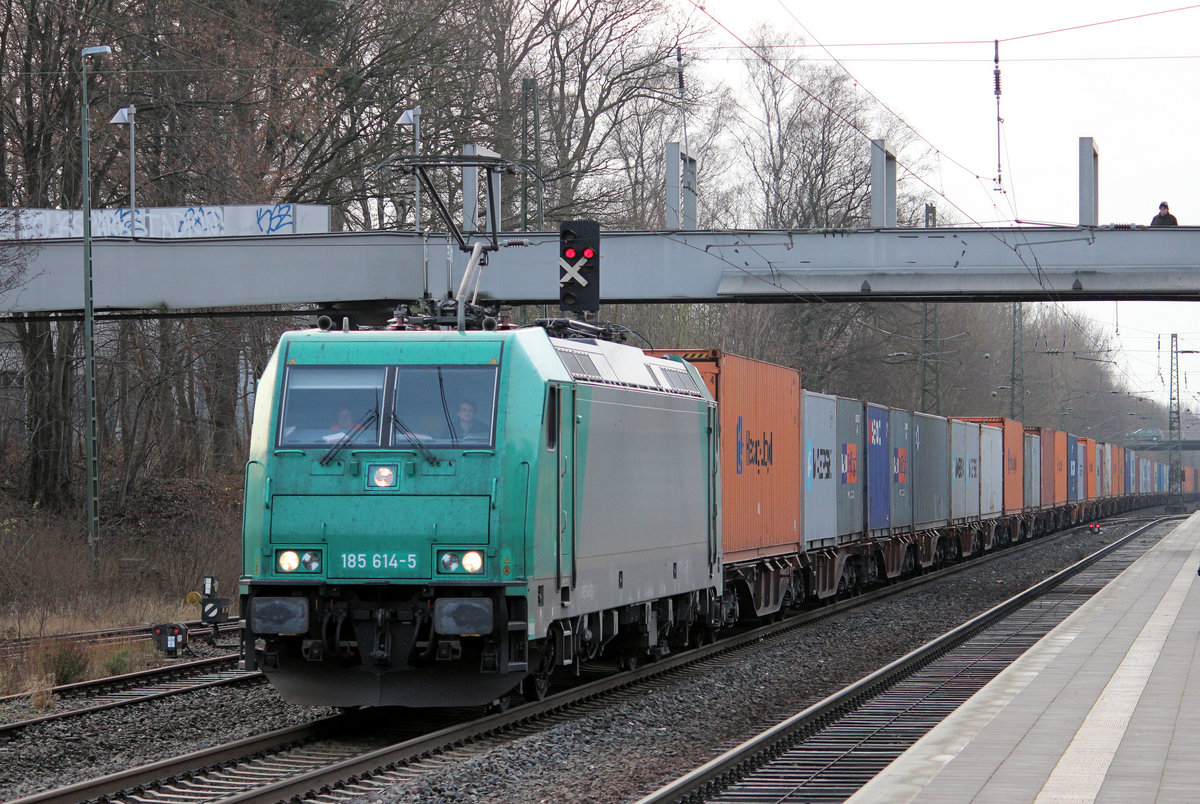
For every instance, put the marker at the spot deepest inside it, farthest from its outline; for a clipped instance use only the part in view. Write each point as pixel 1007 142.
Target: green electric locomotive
pixel 441 517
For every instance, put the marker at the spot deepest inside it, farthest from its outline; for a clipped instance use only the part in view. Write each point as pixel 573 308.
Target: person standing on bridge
pixel 1164 216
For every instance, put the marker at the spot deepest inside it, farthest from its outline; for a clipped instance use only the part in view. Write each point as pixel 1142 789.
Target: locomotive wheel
pixel 535 686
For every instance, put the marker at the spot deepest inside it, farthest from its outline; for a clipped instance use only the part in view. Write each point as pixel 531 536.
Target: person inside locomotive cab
pixel 467 424
pixel 345 422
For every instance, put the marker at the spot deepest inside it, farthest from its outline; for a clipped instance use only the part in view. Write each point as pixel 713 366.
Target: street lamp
pixel 122 117
pixel 412 117
pixel 89 339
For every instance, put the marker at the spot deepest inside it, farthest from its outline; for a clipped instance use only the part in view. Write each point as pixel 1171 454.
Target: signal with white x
pixel 572 271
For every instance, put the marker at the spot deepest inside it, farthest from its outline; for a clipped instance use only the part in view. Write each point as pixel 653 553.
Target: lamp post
pixel 89 340
pixel 123 116
pixel 412 117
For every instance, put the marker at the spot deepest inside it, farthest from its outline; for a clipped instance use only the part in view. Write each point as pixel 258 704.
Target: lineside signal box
pixel 170 638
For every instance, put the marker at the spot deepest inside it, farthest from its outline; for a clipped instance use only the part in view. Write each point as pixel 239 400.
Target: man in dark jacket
pixel 1164 216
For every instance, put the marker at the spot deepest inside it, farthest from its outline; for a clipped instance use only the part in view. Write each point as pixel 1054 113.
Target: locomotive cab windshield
pixel 422 406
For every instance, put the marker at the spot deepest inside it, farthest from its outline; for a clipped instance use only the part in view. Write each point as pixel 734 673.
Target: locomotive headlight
pixel 298 560
pixel 288 561
pixel 452 561
pixel 383 477
pixel 472 561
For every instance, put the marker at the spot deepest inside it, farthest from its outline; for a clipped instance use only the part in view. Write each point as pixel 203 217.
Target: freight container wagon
pixel 759 407
pixel 1013 463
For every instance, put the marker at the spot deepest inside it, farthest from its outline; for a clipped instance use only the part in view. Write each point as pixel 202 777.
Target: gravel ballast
pixel 612 754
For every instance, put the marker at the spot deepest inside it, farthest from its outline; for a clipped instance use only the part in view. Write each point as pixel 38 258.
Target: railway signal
pixel 579 266
pixel 170 638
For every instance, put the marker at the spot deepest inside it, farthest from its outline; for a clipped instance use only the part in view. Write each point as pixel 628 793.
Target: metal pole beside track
pixel 89 340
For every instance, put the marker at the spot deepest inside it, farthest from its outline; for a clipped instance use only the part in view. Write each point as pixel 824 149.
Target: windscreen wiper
pixel 446 407
pixel 350 435
pixel 415 440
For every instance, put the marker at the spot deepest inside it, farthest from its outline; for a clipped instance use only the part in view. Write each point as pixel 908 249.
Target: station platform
pixel 1105 708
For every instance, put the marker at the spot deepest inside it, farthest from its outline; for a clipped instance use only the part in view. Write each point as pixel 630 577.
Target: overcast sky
pixel 1129 82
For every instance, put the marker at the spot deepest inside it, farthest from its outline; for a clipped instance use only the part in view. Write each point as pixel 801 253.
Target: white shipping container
pixel 818 421
pixel 991 471
pixel 964 471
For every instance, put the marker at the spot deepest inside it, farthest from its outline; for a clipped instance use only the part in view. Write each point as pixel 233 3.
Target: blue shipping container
pixel 879 470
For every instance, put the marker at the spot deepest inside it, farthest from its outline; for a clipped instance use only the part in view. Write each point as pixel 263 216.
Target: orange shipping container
pixel 1060 467
pixel 1089 467
pixel 1014 459
pixel 761 458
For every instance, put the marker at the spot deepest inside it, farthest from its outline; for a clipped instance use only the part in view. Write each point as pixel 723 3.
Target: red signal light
pixel 569 253
pixel 589 253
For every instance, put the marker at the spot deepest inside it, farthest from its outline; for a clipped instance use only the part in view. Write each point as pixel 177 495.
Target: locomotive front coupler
pixel 382 652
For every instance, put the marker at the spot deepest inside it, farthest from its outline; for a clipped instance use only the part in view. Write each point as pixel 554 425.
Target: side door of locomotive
pixel 565 558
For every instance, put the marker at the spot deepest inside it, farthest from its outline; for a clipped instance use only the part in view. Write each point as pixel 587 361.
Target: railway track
pixel 329 760
pixel 828 751
pixel 16 647
pixel 86 697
